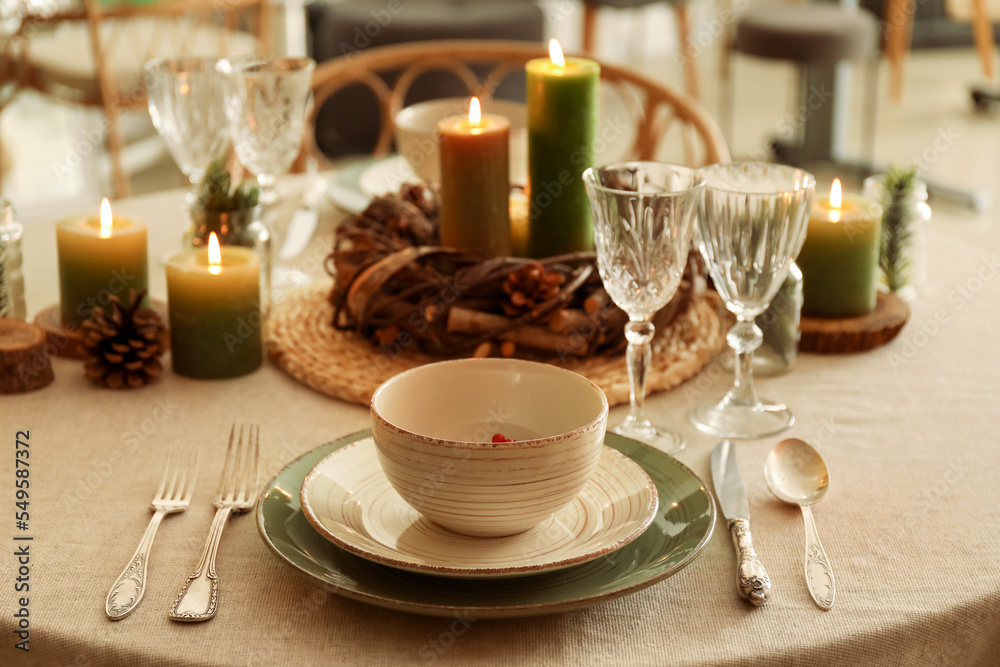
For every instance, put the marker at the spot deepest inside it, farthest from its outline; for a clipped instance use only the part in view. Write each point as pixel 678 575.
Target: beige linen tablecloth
pixel 911 522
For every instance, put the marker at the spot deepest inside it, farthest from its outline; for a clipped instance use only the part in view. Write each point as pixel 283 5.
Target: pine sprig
pixel 218 193
pixel 897 216
pixel 247 195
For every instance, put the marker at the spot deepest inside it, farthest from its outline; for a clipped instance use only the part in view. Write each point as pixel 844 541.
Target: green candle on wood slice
pixel 563 97
pixel 213 296
pixel 99 257
pixel 839 258
pixel 475 186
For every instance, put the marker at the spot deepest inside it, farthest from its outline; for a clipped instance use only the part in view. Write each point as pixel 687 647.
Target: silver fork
pixel 174 495
pixel 199 598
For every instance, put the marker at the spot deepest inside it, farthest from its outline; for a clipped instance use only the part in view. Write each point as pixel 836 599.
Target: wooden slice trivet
pixel 843 335
pixel 302 341
pixel 24 360
pixel 69 342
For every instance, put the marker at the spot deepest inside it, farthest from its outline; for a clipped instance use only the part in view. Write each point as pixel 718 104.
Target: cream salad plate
pixel 348 499
pixel 678 534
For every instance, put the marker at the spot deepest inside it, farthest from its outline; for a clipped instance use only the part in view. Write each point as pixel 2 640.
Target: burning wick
pixel 475 112
pixel 105 219
pixel 214 255
pixel 836 199
pixel 556 53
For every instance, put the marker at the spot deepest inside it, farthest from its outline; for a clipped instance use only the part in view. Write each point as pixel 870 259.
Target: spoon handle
pixel 819 573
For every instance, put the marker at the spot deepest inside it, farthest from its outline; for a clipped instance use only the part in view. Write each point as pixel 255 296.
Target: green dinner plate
pixel 680 531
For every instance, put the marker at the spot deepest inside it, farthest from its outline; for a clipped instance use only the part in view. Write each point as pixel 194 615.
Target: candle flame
pixel 475 112
pixel 214 255
pixel 105 218
pixel 836 200
pixel 556 53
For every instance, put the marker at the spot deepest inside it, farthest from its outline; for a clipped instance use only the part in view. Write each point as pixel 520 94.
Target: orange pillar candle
pixel 475 189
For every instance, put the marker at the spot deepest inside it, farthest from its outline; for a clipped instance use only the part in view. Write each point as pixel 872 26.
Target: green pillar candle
pixel 563 97
pixel 215 318
pixel 97 261
pixel 475 188
pixel 839 259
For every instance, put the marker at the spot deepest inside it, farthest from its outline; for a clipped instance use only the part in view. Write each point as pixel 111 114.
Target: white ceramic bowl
pixel 433 427
pixel 417 136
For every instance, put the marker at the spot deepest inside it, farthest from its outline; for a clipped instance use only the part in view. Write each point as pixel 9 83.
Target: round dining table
pixel 910 524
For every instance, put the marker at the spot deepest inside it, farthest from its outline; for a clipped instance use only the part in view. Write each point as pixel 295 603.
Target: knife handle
pixel 753 583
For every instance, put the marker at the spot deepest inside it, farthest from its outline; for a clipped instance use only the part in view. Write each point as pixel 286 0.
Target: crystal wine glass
pixel 644 215
pixel 755 221
pixel 185 97
pixel 266 103
pixel 186 103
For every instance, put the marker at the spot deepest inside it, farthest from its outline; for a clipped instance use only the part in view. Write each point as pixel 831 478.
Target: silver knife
pixel 752 580
pixel 303 223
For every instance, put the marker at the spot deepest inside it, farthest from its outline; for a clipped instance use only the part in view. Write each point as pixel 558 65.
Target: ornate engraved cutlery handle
pixel 199 598
pixel 127 590
pixel 819 573
pixel 752 580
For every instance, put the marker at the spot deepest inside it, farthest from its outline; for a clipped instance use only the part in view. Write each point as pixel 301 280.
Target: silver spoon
pixel 797 474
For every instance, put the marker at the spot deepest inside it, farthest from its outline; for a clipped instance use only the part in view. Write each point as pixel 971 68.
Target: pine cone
pixel 123 350
pixel 530 286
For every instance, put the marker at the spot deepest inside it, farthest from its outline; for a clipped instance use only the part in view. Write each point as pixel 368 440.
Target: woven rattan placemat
pixel 303 342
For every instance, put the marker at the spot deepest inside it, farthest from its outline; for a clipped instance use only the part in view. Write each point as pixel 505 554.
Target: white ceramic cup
pixel 417 135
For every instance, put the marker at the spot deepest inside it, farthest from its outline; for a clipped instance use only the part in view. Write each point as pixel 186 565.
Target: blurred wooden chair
pixel 10 82
pixel 93 53
pixel 688 55
pixel 898 20
pixel 982 30
pixel 662 123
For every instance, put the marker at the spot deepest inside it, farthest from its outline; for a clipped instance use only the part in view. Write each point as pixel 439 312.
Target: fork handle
pixel 126 592
pixel 199 598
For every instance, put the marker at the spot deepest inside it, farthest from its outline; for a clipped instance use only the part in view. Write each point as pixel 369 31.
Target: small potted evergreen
pixel 234 212
pixel 231 210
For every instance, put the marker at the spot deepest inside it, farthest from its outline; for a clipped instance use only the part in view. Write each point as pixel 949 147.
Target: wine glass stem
pixel 638 333
pixel 744 338
pixel 268 192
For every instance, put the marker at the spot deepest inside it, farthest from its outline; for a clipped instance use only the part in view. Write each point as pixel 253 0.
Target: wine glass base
pixel 268 196
pixel 664 440
pixel 727 420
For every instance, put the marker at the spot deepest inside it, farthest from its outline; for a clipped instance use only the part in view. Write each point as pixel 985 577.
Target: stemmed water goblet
pixel 754 223
pixel 266 103
pixel 644 215
pixel 266 100
pixel 185 98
